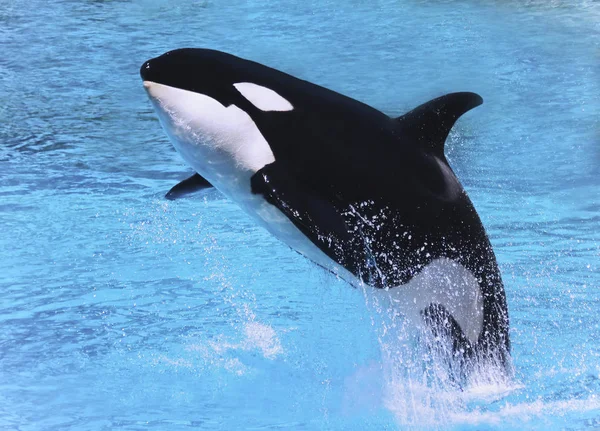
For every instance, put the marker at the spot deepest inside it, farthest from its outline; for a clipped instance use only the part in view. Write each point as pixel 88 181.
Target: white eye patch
pixel 263 98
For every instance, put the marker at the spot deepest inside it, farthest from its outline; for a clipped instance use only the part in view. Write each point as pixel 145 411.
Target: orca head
pixel 203 99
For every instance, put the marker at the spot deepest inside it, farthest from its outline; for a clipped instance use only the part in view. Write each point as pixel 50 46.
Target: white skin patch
pixel 263 98
pixel 221 143
pixel 224 145
pixel 449 284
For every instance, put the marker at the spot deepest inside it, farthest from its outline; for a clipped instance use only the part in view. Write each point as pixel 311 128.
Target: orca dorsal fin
pixel 430 123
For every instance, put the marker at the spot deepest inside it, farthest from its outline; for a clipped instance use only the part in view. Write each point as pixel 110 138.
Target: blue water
pixel 121 310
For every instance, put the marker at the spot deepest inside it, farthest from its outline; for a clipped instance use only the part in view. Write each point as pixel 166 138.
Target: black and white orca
pixel 368 197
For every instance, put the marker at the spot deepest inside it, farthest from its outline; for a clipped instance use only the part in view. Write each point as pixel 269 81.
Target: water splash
pixel 421 384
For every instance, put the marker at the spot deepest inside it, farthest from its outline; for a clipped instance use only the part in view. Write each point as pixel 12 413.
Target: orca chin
pixel 366 196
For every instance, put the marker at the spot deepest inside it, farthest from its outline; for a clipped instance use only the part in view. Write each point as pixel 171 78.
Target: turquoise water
pixel 121 310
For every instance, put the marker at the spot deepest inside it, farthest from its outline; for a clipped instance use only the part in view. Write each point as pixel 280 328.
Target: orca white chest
pixel 225 146
pixel 221 143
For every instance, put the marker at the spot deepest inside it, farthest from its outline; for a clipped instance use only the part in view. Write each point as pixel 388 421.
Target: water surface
pixel 121 310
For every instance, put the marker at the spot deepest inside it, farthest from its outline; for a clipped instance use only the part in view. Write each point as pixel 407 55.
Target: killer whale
pixel 366 196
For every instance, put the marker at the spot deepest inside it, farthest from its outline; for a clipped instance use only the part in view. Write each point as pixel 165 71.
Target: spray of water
pixel 425 384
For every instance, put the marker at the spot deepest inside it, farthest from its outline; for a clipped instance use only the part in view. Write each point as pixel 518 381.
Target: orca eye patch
pixel 263 98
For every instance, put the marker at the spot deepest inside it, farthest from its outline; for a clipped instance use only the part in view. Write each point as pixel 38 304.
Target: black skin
pixel 375 193
pixel 190 185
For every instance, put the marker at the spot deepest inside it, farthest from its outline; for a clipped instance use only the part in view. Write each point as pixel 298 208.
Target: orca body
pixel 366 196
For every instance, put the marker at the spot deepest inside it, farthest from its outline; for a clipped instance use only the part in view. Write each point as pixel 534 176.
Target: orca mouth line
pixel 147 72
pixel 181 69
pixel 153 88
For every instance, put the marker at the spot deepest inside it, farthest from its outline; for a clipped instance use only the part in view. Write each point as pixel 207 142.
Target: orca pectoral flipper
pixel 314 215
pixel 189 185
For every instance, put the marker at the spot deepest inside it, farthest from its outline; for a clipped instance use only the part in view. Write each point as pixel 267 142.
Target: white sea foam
pixel 525 412
pixel 262 337
pixel 223 351
pixel 421 393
